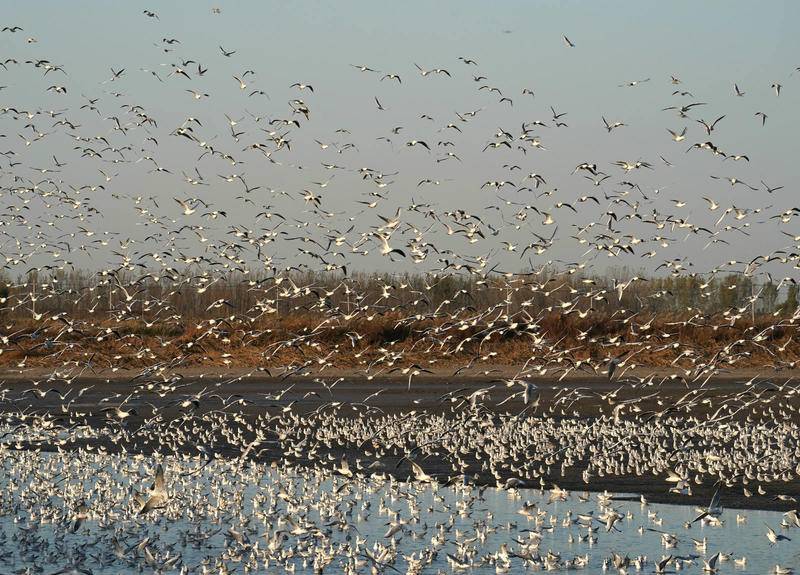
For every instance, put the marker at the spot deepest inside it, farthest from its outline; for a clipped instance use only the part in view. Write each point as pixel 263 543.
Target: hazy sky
pixel 709 46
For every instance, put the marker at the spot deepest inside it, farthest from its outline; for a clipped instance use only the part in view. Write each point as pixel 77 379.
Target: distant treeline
pixel 161 296
pixel 548 320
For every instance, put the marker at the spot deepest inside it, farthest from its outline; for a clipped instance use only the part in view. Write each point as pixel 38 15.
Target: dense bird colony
pixel 239 336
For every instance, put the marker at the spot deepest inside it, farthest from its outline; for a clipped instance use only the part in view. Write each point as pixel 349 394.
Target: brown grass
pixel 322 340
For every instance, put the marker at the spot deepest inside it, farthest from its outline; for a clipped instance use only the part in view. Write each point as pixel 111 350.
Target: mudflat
pixel 194 400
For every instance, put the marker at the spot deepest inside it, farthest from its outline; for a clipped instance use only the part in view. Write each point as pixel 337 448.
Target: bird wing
pixel 158 482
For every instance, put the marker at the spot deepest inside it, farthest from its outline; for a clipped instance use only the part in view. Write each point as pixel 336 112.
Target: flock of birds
pixel 162 469
pixel 311 512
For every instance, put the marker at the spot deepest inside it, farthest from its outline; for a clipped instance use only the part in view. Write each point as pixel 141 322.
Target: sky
pixel 708 46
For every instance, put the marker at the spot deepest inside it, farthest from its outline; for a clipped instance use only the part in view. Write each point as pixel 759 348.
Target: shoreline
pixel 488 371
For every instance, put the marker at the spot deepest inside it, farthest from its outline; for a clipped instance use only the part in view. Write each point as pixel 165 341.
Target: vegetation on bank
pixel 107 320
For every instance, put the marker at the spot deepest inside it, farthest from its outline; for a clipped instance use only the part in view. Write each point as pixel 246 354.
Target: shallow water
pixel 41 492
